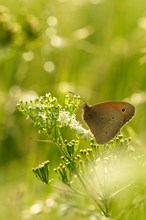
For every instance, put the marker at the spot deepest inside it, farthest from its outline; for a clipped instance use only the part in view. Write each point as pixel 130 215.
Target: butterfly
pixel 106 119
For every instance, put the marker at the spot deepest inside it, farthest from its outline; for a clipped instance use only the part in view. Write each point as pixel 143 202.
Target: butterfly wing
pixel 125 108
pixel 106 119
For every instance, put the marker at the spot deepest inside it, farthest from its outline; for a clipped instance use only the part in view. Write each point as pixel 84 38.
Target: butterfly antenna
pixel 85 103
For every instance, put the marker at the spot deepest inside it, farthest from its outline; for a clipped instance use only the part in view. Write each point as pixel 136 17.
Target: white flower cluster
pixel 47 114
pixel 65 118
pixel 75 125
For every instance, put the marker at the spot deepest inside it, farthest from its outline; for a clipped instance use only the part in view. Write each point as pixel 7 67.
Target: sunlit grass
pixel 95 48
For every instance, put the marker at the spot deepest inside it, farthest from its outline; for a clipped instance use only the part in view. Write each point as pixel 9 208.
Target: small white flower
pixel 42 115
pixel 64 118
pixel 85 134
pixel 40 106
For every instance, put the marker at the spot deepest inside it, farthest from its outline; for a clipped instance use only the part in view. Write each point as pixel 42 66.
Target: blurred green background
pixel 95 48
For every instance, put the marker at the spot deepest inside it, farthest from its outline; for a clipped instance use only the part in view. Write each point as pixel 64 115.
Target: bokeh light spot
pixel 36 208
pixel 142 23
pixel 52 21
pixel 28 56
pixel 56 41
pixel 49 66
pixel 50 32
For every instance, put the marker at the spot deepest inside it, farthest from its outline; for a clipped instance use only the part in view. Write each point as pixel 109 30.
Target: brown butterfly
pixel 106 119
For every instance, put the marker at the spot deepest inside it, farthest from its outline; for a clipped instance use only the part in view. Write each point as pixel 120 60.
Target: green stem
pixel 106 207
pixel 62 150
pixel 89 192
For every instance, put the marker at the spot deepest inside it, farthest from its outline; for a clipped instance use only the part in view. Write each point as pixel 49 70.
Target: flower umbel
pixel 95 169
pixel 42 172
pixel 49 116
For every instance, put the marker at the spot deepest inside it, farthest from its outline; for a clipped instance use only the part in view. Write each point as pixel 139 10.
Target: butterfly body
pixel 106 119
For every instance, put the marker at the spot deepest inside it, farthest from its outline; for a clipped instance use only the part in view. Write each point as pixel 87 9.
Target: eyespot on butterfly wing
pixel 106 119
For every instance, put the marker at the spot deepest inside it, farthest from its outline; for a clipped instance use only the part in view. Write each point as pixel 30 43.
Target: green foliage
pixel 95 48
pixel 17 33
pixel 8 28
